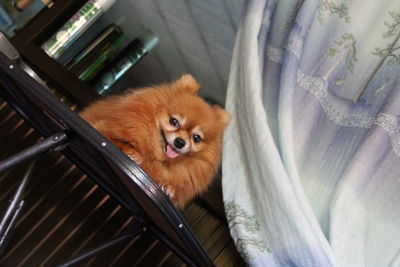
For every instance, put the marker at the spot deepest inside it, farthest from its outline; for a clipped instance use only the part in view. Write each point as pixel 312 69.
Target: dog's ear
pixel 222 116
pixel 187 84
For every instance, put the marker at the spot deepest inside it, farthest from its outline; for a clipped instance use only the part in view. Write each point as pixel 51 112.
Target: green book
pixel 92 59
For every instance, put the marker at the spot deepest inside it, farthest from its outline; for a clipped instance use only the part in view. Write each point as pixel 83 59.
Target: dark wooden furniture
pixel 29 40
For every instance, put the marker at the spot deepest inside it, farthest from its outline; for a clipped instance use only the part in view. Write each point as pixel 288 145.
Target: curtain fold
pixel 311 160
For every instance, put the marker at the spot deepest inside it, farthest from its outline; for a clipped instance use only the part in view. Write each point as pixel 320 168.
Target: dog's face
pixel 188 125
pixel 178 137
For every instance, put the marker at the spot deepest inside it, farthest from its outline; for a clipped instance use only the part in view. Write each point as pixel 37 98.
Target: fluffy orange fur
pixel 146 125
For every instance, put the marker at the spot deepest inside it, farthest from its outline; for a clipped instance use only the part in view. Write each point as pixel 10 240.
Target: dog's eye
pixel 197 138
pixel 174 122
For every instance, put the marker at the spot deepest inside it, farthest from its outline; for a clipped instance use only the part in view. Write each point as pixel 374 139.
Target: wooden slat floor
pixel 66 214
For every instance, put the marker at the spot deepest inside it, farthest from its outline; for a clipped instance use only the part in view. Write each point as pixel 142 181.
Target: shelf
pixel 29 40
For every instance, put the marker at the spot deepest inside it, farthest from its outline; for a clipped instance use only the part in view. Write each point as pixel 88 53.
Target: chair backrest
pixel 126 182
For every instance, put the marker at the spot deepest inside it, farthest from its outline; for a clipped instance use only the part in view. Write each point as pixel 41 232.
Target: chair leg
pixel 137 229
pixel 5 236
pixel 14 208
pixel 51 142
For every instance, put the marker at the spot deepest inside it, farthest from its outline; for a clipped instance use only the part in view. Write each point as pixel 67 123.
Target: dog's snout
pixel 179 143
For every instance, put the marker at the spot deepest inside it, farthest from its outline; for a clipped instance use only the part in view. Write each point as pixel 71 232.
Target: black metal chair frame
pixel 63 130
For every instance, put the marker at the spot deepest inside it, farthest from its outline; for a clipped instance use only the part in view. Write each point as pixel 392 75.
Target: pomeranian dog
pixel 173 134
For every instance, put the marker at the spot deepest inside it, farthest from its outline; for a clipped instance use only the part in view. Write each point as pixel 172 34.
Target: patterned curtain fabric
pixel 311 163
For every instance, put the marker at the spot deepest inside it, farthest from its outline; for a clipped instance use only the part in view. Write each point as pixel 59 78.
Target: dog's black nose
pixel 179 143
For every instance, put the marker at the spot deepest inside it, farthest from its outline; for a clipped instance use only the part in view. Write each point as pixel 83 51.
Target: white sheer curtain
pixel 311 164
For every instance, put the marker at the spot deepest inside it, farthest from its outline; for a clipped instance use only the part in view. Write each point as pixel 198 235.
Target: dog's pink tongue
pixel 171 153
